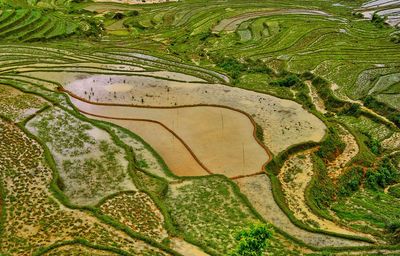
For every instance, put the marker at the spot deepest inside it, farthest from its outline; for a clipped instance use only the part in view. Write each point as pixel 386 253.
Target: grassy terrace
pixel 77 186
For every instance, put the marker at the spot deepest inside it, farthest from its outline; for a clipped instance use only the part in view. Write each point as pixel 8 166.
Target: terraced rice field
pixel 37 213
pixel 88 161
pixel 231 149
pixel 169 127
pixel 278 118
pixel 386 8
pixel 18 106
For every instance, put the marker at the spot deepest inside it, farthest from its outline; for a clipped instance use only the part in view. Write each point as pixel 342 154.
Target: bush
pixel 378 20
pixel 232 66
pixel 257 66
pixel 395 191
pixel 395 38
pixel 305 99
pixel 95 29
pixel 350 181
pixel 307 75
pixel 331 147
pixel 386 174
pixel 353 110
pixel 259 133
pixel 133 23
pixel 373 144
pixel 321 190
pixel 235 68
pixel 332 103
pixel 118 16
pixel 358 15
pixel 252 241
pixel 288 81
pixel 132 13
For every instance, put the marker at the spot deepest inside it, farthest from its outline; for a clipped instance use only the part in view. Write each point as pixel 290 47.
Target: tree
pixel 252 240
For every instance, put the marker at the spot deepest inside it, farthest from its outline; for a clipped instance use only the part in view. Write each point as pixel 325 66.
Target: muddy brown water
pixel 174 153
pixel 221 139
pixel 284 122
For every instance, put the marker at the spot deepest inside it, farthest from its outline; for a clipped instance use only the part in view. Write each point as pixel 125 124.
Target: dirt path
pixel 393 142
pixel 318 102
pixel 335 87
pixel 336 167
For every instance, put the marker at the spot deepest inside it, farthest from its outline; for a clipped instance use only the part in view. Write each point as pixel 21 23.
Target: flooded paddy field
pixel 220 139
pixel 284 122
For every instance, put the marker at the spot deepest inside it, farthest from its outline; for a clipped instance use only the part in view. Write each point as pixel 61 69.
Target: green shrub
pixel 252 240
pixel 378 20
pixel 236 68
pixel 358 15
pixel 307 75
pixel 395 38
pixel 373 144
pixel 353 109
pixel 321 190
pixel 386 174
pixel 332 103
pixel 132 13
pixel 259 133
pixel 331 147
pixel 287 81
pixel 350 181
pixel 232 66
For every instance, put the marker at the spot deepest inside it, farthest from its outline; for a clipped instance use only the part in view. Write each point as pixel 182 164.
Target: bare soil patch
pixel 186 248
pixel 336 167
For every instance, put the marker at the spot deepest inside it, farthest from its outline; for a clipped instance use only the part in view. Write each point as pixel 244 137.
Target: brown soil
pixel 185 248
pixel 318 102
pixel 336 167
